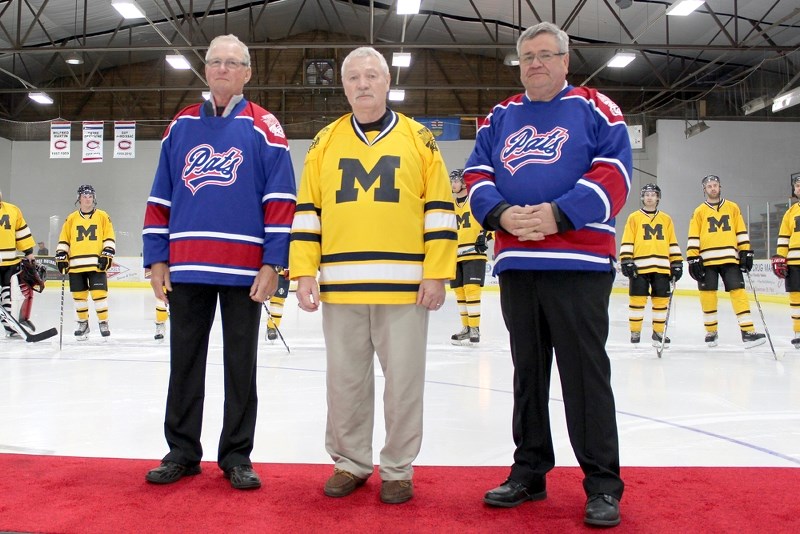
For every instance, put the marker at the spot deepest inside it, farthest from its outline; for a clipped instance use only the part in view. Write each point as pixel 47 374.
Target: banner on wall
pixel 60 135
pixel 92 141
pixel 124 139
pixel 443 128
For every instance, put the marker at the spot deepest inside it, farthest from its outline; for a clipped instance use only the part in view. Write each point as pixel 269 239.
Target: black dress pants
pixel 192 310
pixel 565 311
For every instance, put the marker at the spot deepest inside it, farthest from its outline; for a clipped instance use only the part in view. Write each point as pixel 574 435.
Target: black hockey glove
pixel 629 268
pixel 104 261
pixel 480 243
pixel 62 263
pixel 746 260
pixel 676 268
pixel 779 266
pixel 696 270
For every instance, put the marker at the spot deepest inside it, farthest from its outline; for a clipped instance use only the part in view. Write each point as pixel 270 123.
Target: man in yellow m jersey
pixel 786 261
pixel 650 257
pixel 719 246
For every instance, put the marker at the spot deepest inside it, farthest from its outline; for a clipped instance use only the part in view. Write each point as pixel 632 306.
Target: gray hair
pixel 230 38
pixel 366 51
pixel 546 27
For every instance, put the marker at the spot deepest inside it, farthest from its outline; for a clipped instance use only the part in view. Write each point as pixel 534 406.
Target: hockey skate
pixel 11 333
pixel 83 330
pixel 636 337
pixel 657 340
pixel 796 340
pixel 457 338
pixel 753 339
pixel 272 334
pixel 161 329
pixel 711 338
pixel 474 334
pixel 104 331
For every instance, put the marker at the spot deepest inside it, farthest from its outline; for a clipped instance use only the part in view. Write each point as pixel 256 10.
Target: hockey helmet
pixel 710 178
pixel 457 176
pixel 795 180
pixel 86 189
pixel 652 188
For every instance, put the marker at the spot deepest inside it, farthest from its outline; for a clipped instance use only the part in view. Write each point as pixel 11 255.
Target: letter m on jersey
pixel 722 223
pixel 89 233
pixel 464 221
pixel 653 232
pixel 353 171
pixel 5 222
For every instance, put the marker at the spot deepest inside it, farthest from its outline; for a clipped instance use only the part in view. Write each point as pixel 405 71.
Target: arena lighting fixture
pixel 623 4
pixel 74 58
pixel 694 129
pixel 401 59
pixel 41 98
pixel 757 104
pixel 408 7
pixel 681 8
pixel 786 100
pixel 511 59
pixel 178 62
pixel 129 9
pixel 397 95
pixel 621 59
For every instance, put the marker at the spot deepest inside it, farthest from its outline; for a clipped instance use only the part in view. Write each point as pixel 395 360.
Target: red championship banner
pixel 92 141
pixel 124 139
pixel 60 134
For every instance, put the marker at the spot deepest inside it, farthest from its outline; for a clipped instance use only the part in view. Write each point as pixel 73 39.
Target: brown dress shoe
pixel 396 491
pixel 342 483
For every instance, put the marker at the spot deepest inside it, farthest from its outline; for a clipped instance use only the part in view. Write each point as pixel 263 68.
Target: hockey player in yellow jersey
pixel 719 246
pixel 375 219
pixel 786 261
pixel 85 251
pixel 470 264
pixel 650 257
pixel 14 236
pixel 162 314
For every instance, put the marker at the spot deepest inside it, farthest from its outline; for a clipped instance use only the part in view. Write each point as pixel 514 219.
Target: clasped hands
pixel 529 223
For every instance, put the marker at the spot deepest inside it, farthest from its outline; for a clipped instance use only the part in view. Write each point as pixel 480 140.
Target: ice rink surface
pixel 696 406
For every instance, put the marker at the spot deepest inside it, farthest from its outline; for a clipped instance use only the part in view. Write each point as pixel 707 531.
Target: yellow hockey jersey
pixel 14 235
pixel 789 235
pixel 374 213
pixel 468 230
pixel 717 233
pixel 649 240
pixel 83 237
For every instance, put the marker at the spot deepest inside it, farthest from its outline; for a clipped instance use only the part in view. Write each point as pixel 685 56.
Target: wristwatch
pixel 277 268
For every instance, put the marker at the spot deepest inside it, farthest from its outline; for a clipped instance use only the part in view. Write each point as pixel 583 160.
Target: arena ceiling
pixel 708 65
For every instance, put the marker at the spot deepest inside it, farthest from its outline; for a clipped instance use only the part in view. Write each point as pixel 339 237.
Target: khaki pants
pixel 354 333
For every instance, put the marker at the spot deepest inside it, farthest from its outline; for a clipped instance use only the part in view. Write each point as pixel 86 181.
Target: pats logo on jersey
pixel 204 166
pixel 526 145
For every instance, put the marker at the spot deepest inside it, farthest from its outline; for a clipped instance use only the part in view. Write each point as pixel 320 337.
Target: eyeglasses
pixel 230 64
pixel 543 57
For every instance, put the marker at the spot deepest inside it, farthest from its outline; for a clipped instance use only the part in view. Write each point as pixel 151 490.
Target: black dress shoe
pixel 169 472
pixel 243 477
pixel 602 511
pixel 511 493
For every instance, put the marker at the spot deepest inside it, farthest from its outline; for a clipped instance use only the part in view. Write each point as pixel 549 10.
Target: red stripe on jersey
pixel 279 213
pixel 156 215
pixel 610 178
pixel 216 252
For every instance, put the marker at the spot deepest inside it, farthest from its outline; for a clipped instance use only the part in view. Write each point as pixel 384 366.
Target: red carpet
pixel 66 495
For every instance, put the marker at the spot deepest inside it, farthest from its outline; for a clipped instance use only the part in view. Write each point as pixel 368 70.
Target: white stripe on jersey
pixel 306 222
pixel 216 235
pixel 440 219
pixel 213 269
pixel 389 272
pixel 546 254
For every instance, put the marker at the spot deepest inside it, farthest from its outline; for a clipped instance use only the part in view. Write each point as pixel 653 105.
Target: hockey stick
pixel 61 324
pixel 766 330
pixel 278 330
pixel 30 337
pixel 660 349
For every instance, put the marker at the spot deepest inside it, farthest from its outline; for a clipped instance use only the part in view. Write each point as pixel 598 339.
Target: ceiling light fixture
pixel 757 104
pixel 694 129
pixel 129 9
pixel 40 97
pixel 178 62
pixel 623 4
pixel 681 8
pixel 786 100
pixel 401 59
pixel 397 95
pixel 511 59
pixel 621 59
pixel 74 58
pixel 408 7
